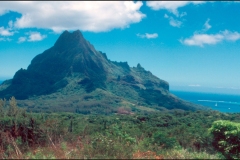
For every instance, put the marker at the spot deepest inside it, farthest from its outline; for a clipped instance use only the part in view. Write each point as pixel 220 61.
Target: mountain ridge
pixel 73 67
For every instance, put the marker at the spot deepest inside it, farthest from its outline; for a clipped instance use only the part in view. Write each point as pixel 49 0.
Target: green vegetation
pixel 161 135
pixel 227 138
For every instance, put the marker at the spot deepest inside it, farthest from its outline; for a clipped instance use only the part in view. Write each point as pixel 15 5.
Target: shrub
pixel 161 139
pixel 226 138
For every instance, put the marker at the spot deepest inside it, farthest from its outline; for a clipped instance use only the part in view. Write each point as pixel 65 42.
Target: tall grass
pixel 101 148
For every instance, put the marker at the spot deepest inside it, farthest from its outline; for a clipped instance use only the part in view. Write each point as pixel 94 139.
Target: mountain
pixel 73 76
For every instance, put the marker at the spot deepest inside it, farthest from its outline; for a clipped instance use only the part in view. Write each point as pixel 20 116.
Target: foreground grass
pixel 82 150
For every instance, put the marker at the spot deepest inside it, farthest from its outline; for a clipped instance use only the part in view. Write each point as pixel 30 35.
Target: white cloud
pixel 35 36
pixel 93 16
pixel 232 36
pixel 154 35
pixel 201 39
pixel 148 35
pixel 2 11
pixel 207 26
pixel 171 6
pixel 173 22
pixel 32 37
pixel 22 39
pixel 5 32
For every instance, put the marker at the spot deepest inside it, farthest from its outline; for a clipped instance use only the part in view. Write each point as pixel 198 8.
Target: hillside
pixel 210 135
pixel 73 76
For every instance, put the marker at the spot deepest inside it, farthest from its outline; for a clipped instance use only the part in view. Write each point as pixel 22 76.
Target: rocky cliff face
pixel 73 67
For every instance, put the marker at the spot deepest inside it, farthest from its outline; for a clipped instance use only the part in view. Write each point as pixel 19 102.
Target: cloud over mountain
pixel 87 16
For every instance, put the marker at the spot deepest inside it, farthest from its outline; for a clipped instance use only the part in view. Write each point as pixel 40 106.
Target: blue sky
pixel 192 45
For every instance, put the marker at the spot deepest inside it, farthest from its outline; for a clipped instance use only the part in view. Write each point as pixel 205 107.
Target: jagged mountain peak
pixel 69 40
pixel 70 51
pixel 73 66
pixel 75 35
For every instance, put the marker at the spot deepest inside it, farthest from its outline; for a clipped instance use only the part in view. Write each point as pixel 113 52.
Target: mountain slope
pixel 73 76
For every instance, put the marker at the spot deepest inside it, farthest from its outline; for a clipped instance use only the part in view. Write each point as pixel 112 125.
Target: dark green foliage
pixel 12 110
pixel 164 141
pixel 88 84
pixel 27 83
pixel 226 136
pixel 2 106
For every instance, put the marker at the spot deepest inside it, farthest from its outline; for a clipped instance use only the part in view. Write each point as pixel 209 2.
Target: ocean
pixel 222 102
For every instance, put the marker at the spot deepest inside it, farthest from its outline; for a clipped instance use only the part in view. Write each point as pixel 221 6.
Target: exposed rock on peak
pixel 139 65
